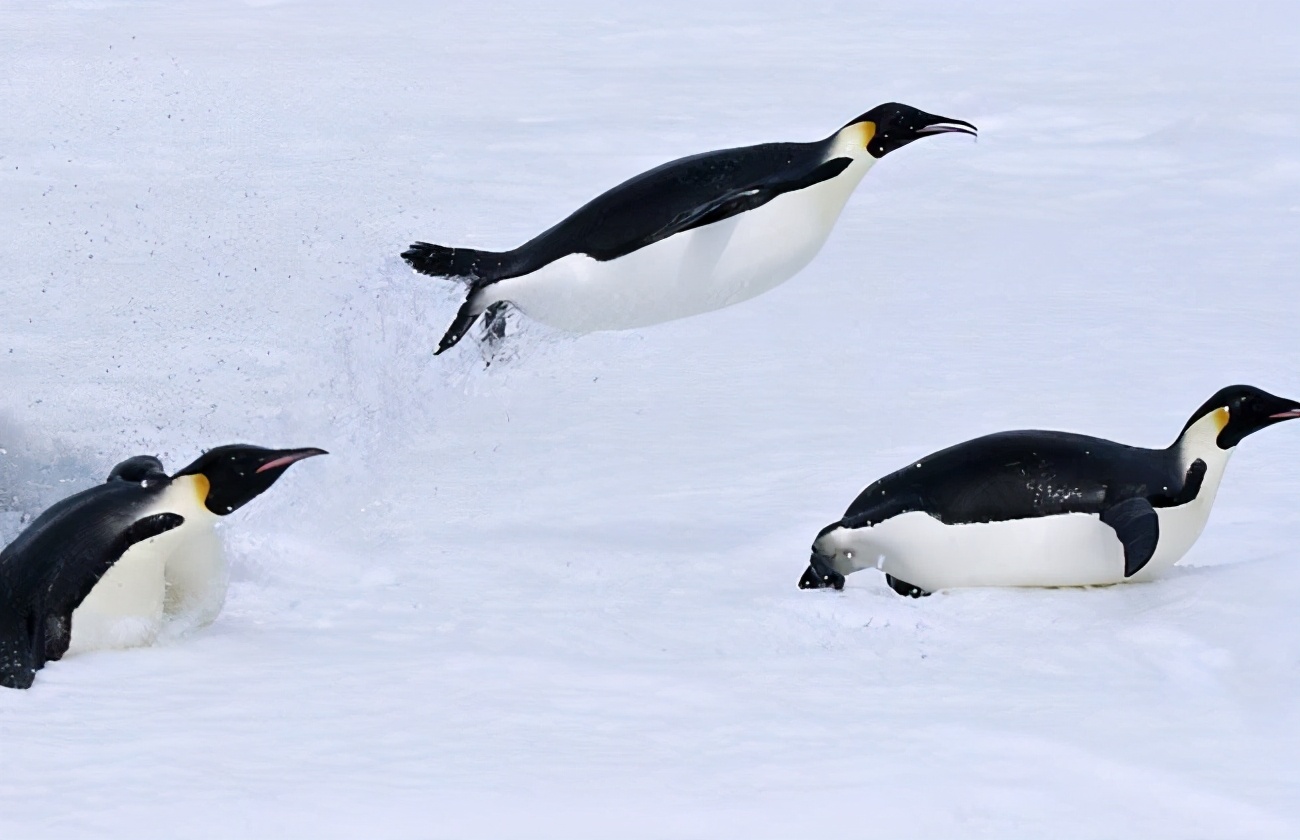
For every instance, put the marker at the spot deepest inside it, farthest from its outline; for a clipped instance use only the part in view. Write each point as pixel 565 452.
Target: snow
pixel 556 597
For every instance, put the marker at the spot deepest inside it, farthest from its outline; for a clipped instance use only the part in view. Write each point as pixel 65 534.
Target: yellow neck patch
pixel 201 487
pixel 1221 417
pixel 866 132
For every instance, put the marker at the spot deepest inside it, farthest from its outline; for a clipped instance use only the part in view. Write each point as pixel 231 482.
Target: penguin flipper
pixel 494 319
pixel 465 318
pixel 1138 528
pixel 735 202
pixel 904 588
pixel 73 581
pixel 1190 490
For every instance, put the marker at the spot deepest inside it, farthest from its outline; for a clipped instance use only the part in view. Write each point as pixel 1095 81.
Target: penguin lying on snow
pixel 691 236
pixel 1042 508
pixel 105 567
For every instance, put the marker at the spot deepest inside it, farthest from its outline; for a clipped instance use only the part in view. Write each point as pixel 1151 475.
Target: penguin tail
pixel 441 261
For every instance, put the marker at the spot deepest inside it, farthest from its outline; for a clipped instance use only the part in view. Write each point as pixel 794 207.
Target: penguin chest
pixel 197 576
pixel 125 608
pixel 688 273
pixel 1181 526
pixel 162 586
pixel 1075 549
pixel 1179 529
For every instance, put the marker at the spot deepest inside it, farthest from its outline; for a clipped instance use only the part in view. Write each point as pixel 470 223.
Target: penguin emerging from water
pixel 105 567
pixel 1042 508
pixel 690 236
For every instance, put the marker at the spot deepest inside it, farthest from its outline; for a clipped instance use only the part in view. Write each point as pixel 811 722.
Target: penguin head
pixel 893 125
pixel 1240 410
pixel 238 473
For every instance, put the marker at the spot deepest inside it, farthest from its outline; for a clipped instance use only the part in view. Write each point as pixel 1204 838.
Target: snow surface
pixel 556 597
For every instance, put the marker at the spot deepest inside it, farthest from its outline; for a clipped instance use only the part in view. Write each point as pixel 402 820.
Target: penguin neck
pixel 186 496
pixel 851 142
pixel 1200 441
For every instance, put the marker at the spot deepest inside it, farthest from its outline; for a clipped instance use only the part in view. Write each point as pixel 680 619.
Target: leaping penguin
pixel 690 236
pixel 1042 508
pixel 104 567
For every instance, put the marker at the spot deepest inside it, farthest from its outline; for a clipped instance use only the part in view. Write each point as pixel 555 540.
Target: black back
pixel 50 568
pixel 677 196
pixel 1025 474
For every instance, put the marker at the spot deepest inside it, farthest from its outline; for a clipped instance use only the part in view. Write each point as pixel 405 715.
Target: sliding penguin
pixel 105 567
pixel 1042 508
pixel 687 237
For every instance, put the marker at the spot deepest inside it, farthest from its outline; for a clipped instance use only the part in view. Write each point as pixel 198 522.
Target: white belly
pixel 164 586
pixel 197 576
pixel 1075 549
pixel 697 271
pixel 1181 526
pixel 125 609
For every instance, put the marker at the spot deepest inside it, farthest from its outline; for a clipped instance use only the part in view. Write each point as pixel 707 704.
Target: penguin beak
pixel 285 457
pixel 1290 409
pixel 946 125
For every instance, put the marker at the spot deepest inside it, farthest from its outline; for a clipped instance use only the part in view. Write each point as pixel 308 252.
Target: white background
pixel 556 597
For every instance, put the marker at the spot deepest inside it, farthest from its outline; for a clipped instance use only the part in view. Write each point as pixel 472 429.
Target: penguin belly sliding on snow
pixel 110 566
pixel 1038 508
pixel 691 236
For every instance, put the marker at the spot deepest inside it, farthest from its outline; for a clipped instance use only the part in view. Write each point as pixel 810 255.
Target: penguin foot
pixel 830 579
pixel 905 589
pixel 492 339
pixel 494 322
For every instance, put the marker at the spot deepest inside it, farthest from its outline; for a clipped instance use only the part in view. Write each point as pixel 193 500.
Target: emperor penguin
pixel 108 566
pixel 1034 508
pixel 691 236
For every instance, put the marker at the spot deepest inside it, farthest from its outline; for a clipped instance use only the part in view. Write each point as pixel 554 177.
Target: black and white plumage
pixel 107 566
pixel 687 237
pixel 1037 508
